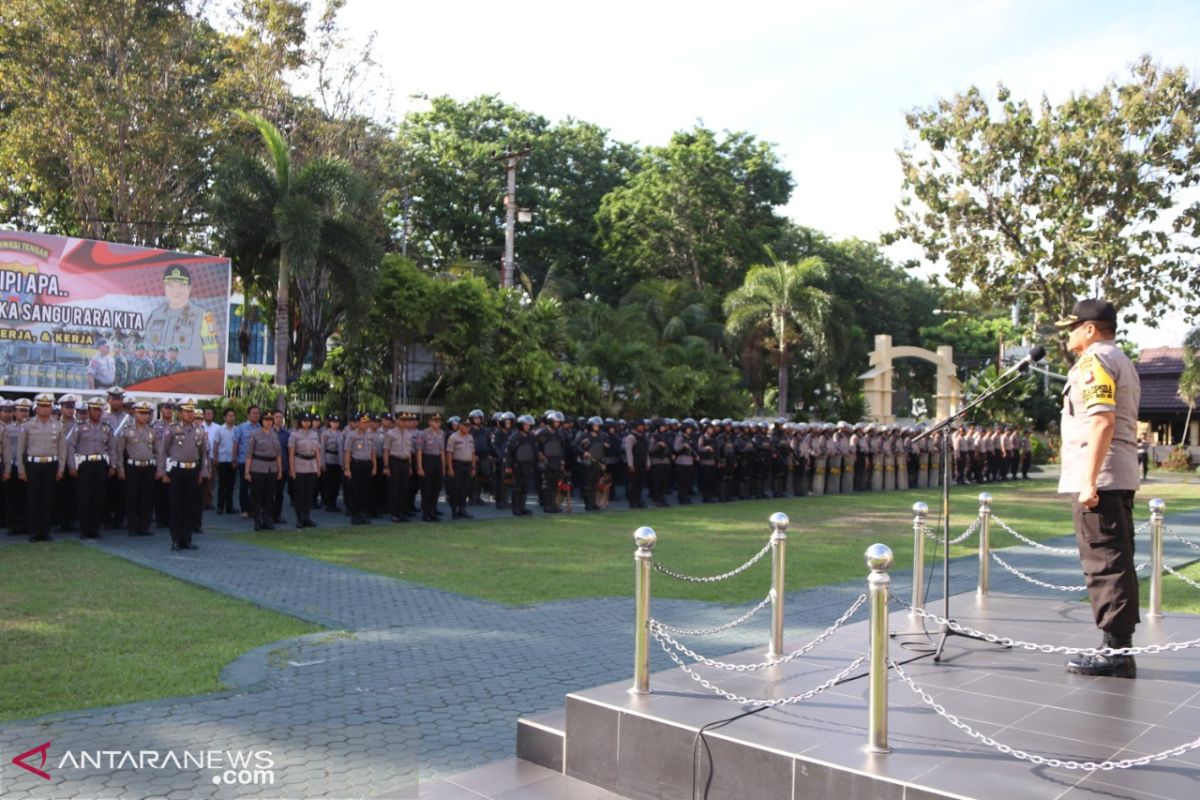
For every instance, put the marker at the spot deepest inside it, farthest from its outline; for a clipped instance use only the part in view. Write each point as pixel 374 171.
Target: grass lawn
pixel 81 628
pixel 539 558
pixel 1177 595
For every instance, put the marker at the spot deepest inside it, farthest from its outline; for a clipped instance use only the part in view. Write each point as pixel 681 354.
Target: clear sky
pixel 827 83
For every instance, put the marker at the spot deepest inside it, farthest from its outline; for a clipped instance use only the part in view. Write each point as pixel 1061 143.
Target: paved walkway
pixel 421 680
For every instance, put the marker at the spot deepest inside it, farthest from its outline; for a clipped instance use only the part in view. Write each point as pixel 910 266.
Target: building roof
pixel 1160 361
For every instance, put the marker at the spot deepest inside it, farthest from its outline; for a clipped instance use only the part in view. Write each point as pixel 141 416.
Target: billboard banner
pixel 81 315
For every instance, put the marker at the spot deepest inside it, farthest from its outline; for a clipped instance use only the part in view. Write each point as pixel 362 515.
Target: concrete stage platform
pixel 644 746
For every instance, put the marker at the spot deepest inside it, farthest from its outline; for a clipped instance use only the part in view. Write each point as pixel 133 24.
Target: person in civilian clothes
pixel 181 459
pixel 358 467
pixel 136 448
pixel 430 452
pixel 304 459
pixel 41 457
pixel 221 447
pixel 241 441
pixel 91 456
pixel 264 468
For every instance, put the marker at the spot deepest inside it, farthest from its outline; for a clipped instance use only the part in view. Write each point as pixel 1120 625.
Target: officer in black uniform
pixel 589 451
pixel 551 452
pixel 520 461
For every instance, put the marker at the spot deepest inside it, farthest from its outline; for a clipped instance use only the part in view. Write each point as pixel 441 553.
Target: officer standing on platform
pixel 136 449
pixel 1100 470
pixel 41 457
pixel 91 459
pixel 181 458
pixel 430 449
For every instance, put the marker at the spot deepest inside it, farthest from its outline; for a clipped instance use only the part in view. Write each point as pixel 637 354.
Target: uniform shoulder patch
pixel 1099 387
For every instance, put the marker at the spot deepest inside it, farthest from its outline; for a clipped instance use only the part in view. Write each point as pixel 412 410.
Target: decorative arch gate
pixel 877 381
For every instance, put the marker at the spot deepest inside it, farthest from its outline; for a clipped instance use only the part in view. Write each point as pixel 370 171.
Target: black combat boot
pixel 1107 666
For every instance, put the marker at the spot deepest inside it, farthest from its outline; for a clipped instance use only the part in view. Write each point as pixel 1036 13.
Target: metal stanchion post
pixel 779 525
pixel 920 513
pixel 1157 507
pixel 642 558
pixel 985 528
pixel 879 559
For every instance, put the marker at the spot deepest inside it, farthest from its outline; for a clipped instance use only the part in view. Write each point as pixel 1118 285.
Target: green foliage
pixel 1058 202
pixel 1178 460
pixel 700 210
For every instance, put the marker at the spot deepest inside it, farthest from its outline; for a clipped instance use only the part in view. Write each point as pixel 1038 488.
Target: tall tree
pixel 700 209
pixel 1051 203
pixel 1189 379
pixel 782 305
pixel 312 222
pixel 110 109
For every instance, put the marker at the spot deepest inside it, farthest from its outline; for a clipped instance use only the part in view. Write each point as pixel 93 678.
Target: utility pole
pixel 507 269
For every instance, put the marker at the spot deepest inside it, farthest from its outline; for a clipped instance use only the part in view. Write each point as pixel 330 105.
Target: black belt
pixel 306 458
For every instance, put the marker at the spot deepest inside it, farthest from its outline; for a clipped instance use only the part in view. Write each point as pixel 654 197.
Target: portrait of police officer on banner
pixel 179 323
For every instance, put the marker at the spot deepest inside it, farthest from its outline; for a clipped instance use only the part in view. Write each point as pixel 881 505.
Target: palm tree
pixel 1189 379
pixel 782 304
pixel 309 221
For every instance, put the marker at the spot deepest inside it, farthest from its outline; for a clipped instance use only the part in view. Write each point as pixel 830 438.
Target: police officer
pixel 397 456
pixel 116 418
pixel 183 325
pixel 141 368
pixel 304 458
pixel 520 460
pixel 590 454
pixel 484 453
pixel 380 424
pixel 15 503
pixel 503 479
pixel 637 462
pixel 41 457
pixel 358 468
pixel 264 467
pixel 430 449
pixel 461 461
pixel 551 453
pixel 136 448
pixel 162 491
pixel 684 448
pixel 91 459
pixel 333 456
pixel 181 459
pixel 66 498
pixel 1100 471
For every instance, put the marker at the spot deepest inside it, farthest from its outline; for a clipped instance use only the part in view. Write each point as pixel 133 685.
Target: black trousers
pixel 431 485
pixel 225 483
pixel 523 472
pixel 184 495
pixel 91 483
pixel 243 488
pixel 15 504
pixel 39 497
pixel 461 486
pixel 358 490
pixel 660 474
pixel 637 485
pixel 398 487
pixel 552 470
pixel 1104 535
pixel 262 497
pixel 683 482
pixel 302 495
pixel 139 498
pixel 66 503
pixel 113 509
pixel 707 478
pixel 414 485
pixel 331 484
pixel 281 490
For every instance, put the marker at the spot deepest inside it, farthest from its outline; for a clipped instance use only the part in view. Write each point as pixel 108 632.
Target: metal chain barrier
pixel 715 578
pixel 1145 526
pixel 1087 766
pixel 1179 538
pixel 664 639
pixel 1151 649
pixel 967 534
pixel 1066 551
pixel 750 701
pixel 1032 580
pixel 1182 577
pixel 710 631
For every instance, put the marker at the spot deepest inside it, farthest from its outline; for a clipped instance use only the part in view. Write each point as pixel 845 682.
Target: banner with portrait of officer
pixel 83 314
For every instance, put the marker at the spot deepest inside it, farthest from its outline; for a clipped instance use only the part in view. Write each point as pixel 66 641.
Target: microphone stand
pixel 1002 383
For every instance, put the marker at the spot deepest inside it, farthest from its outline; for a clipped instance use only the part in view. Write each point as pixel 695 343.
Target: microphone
pixel 1036 353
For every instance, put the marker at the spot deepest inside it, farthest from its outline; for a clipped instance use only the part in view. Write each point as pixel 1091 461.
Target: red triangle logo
pixel 20 760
